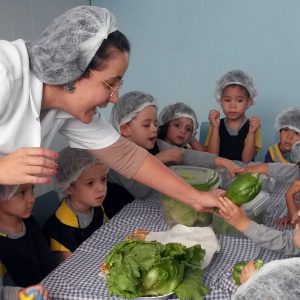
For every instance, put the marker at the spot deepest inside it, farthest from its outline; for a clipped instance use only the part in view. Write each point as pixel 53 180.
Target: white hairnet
pixel 71 163
pixel 295 153
pixel 66 47
pixel 290 118
pixel 277 280
pixel 236 77
pixel 128 106
pixel 176 111
pixel 7 191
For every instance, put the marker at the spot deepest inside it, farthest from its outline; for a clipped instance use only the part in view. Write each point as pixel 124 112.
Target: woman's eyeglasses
pixel 113 90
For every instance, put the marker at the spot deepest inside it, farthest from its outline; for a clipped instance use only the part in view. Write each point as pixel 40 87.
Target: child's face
pixel 288 137
pixel 20 205
pixel 180 131
pixel 235 101
pixel 142 129
pixel 90 188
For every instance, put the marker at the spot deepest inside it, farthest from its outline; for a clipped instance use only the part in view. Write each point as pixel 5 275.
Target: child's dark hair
pixel 115 40
pixel 162 131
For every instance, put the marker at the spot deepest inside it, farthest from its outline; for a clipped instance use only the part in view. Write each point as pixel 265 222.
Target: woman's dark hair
pixel 162 131
pixel 115 40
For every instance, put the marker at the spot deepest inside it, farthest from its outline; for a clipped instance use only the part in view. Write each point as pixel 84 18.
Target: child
pixel 287 242
pixel 178 126
pixel 234 137
pixel 288 125
pixel 25 256
pixel 82 178
pixel 135 117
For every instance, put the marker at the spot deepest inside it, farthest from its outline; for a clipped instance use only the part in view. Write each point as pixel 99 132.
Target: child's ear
pixel 125 130
pixel 250 102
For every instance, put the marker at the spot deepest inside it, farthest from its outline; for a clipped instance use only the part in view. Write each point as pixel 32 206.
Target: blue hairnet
pixel 7 191
pixel 289 118
pixel 71 163
pixel 66 47
pixel 128 106
pixel 236 77
pixel 277 280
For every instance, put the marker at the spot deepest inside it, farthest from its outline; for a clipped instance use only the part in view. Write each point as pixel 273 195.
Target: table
pixel 78 277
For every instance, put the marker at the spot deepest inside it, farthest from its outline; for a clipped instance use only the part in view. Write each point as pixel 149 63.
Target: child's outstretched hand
pixel 293 189
pixel 214 118
pixel 171 155
pixel 283 221
pixel 233 214
pixel 258 168
pixel 228 164
pixel 254 123
pixel 248 270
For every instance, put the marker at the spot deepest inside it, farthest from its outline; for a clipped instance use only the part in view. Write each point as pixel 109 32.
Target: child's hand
pixel 248 270
pixel 233 214
pixel 259 168
pixel 293 189
pixel 170 155
pixel 254 123
pixel 229 165
pixel 214 118
pixel 295 219
pixel 283 221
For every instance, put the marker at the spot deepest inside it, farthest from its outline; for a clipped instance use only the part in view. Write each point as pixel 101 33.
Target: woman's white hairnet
pixel 289 118
pixel 128 106
pixel 71 163
pixel 277 280
pixel 66 47
pixel 236 77
pixel 295 153
pixel 7 191
pixel 175 111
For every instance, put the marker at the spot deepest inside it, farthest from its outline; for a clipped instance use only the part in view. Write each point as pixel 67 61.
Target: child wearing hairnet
pixel 287 123
pixel 82 178
pixel 178 126
pixel 135 117
pixel 25 256
pixel 235 136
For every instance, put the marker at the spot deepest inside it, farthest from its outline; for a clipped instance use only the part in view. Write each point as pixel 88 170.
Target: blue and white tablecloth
pixel 78 277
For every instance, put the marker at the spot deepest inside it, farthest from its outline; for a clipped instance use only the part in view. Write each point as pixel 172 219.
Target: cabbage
pixel 140 268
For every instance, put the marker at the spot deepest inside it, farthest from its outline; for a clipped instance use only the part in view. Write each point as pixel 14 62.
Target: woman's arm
pixel 136 163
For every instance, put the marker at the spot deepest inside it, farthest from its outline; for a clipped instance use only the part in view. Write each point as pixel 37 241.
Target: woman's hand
pixel 28 165
pixel 247 272
pixel 39 290
pixel 208 200
pixel 214 118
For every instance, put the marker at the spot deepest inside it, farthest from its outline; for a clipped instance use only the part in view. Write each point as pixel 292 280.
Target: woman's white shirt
pixel 20 106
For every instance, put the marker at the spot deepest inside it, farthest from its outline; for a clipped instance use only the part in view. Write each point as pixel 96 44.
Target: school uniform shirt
pixel 27 258
pixel 275 154
pixel 20 107
pixel 232 145
pixel 65 231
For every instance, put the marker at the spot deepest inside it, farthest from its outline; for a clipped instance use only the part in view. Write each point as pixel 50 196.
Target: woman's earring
pixel 69 87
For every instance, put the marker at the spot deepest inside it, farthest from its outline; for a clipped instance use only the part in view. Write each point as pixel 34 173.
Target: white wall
pixel 181 47
pixel 26 19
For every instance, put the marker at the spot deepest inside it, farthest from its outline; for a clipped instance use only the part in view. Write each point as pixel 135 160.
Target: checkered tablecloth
pixel 78 277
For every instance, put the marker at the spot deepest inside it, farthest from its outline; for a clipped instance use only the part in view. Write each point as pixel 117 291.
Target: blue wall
pixel 181 47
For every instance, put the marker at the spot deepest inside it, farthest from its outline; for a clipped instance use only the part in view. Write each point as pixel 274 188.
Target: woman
pixel 55 84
